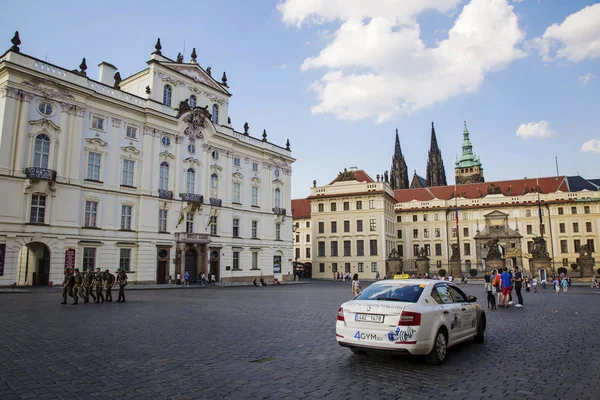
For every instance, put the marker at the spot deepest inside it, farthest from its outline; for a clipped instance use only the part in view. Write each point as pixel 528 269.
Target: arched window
pixel 277 198
pixel 41 152
pixel 190 180
pixel 167 95
pixel 214 186
pixel 163 183
pixel 192 101
pixel 215 114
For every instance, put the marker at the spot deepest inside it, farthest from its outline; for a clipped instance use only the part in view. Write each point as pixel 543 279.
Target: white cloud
pixel 378 66
pixel 535 130
pixel 587 77
pixel 517 1
pixel 577 38
pixel 282 66
pixel 591 146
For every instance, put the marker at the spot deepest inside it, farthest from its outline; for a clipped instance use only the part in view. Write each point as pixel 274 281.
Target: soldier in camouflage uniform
pixel 67 285
pixel 122 281
pixel 99 283
pixel 89 286
pixel 109 283
pixel 78 280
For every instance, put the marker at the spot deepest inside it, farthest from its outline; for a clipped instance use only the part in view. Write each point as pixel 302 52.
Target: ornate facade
pixel 146 173
pixel 399 171
pixel 468 167
pixel 436 174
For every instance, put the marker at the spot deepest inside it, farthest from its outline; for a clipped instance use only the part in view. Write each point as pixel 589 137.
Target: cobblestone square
pixel 279 343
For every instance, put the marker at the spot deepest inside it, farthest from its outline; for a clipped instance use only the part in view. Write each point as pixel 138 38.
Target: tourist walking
pixel 534 284
pixel 356 289
pixel 565 284
pixel 506 279
pixel 518 280
pixel 556 283
pixel 594 282
pixel 186 278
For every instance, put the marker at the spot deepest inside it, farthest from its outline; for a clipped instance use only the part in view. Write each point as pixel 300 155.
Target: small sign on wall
pixel 70 258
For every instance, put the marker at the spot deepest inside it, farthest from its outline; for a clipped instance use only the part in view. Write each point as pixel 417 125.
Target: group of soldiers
pixel 93 284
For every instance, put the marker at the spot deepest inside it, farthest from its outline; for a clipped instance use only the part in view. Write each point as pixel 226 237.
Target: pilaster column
pixel 65 133
pixel 21 145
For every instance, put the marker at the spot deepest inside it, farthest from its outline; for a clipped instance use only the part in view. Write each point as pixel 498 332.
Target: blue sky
pixel 337 77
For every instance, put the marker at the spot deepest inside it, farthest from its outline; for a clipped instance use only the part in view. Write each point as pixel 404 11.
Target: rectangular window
pixel 573 210
pixel 543 229
pixel 528 213
pixel 347 267
pixel 278 231
pixel 237 161
pixel 436 217
pixel 465 216
pixel 529 229
pixel 297 253
pixel 561 211
pixel 162 220
pixel 438 249
pixel 576 245
pixel 307 238
pixel 98 123
pixel 565 262
pixel 590 243
pixel 321 207
pixel 426 233
pixel 401 250
pixel 465 232
pixel 588 227
pixel 575 227
pixel 425 217
pixel 125 259
pixel 371 204
pixel 236 260
pixel 427 250
pixel 415 233
pixel 308 252
pixel 415 218
pixel 361 267
pixel 359 225
pixel 333 207
pixel 359 205
pixel 321 249
pixel 373 246
pixel 131 132
pixel 255 196
pixel 346 205
pixel 236 193
pixel 467 249
pixel 321 227
pixel 360 247
pixel 346 226
pixel 236 227
pixel 126 212
pixel 529 246
pixel 372 225
pixel 254 229
pixel 37 213
pixel 333 227
pixel 254 260
pixel 334 248
pixel 91 214
pixel 564 247
pixel 321 267
pixel 347 248
pixel 308 224
pixel 415 250
pixel 453 232
pixel 254 166
pixel 93 167
pixel 214 225
pixel 127 178
pixel 437 232
pixel 334 267
pixel 89 258
pixel 399 218
pixel 561 227
pixel 373 267
pixel 189 222
pixel 399 234
pixel 586 209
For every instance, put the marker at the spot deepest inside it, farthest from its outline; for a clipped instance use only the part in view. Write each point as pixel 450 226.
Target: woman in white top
pixel 356 289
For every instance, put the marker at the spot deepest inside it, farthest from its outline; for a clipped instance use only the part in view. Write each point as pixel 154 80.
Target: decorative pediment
pixel 165 155
pixel 197 74
pixel 278 182
pixel 45 123
pixel 215 99
pixel 169 79
pixel 192 161
pixel 96 142
pixel 255 179
pixel 237 176
pixel 215 167
pixel 279 162
pixel 130 149
pixel 57 92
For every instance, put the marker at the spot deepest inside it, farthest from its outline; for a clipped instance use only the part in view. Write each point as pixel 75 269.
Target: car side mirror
pixel 471 298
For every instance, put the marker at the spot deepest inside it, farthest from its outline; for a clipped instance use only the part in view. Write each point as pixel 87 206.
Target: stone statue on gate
pixel 455 255
pixel 539 248
pixel 584 252
pixel 422 254
pixel 493 251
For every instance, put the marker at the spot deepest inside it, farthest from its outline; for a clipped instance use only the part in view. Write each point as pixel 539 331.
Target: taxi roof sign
pixel 402 276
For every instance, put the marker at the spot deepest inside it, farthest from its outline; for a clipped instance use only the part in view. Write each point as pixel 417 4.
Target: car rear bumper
pixel 371 340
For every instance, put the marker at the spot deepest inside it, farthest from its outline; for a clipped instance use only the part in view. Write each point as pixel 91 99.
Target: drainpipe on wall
pixel 551 236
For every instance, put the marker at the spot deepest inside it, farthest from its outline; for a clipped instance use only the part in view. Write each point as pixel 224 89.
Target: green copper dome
pixel 468 159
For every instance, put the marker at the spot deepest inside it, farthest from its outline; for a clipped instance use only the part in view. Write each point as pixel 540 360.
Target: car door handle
pixel 446 312
pixel 464 309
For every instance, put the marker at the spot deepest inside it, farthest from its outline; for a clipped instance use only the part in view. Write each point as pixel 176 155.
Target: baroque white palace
pixel 144 173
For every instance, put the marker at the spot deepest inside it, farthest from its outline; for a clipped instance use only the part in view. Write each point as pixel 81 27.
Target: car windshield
pixel 409 293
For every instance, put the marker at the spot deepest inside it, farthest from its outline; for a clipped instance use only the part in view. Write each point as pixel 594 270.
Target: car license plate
pixel 369 318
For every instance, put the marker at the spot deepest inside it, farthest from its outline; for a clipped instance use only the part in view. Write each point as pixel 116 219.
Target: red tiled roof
pixel 515 187
pixel 360 175
pixel 300 208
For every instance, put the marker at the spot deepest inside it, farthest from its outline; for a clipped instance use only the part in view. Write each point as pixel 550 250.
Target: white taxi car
pixel 414 316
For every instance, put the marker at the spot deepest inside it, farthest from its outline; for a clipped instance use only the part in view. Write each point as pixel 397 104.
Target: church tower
pixel 468 167
pixel 399 172
pixel 436 175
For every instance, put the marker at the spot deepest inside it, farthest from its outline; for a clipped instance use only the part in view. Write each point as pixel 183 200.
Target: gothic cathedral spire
pixel 436 174
pixel 399 171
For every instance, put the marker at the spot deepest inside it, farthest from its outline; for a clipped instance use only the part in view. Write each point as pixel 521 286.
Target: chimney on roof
pixel 353 169
pixel 106 73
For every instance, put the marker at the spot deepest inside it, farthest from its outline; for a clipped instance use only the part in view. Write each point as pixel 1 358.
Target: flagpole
pixel 539 207
pixel 457 233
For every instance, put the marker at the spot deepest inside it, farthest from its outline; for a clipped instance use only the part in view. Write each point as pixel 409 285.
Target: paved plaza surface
pixel 279 343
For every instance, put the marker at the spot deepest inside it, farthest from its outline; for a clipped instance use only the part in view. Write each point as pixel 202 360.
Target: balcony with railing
pixel 279 211
pixel 215 202
pixel 40 173
pixel 165 194
pixel 192 197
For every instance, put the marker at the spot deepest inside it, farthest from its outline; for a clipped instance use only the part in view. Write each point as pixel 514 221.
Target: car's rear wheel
pixel 480 336
pixel 358 351
pixel 440 348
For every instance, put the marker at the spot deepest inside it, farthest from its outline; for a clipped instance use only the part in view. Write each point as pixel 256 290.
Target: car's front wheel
pixel 440 348
pixel 479 337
